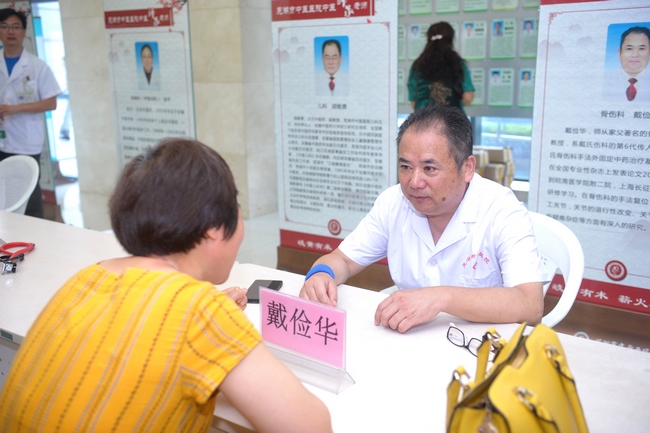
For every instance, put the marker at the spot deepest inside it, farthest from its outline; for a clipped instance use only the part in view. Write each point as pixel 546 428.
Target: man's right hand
pixel 320 287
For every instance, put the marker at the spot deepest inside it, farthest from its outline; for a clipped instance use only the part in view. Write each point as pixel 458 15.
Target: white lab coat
pixel 489 241
pixel 31 80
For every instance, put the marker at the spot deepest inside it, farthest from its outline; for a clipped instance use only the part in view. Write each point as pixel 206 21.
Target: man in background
pixel 27 90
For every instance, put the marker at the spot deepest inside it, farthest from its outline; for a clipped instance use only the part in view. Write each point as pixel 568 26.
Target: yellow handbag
pixel 529 388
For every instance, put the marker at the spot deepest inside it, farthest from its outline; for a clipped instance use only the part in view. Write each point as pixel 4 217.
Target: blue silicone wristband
pixel 319 268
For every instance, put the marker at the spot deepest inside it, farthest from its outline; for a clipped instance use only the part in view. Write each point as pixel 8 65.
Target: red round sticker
pixel 334 227
pixel 616 270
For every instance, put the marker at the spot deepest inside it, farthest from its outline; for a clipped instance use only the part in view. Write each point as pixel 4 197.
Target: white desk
pixel 401 379
pixel 60 251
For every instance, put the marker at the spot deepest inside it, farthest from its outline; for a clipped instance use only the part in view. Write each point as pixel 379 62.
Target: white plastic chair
pixel 18 177
pixel 559 248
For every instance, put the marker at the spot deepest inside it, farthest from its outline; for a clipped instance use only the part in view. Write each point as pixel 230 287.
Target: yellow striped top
pixel 142 351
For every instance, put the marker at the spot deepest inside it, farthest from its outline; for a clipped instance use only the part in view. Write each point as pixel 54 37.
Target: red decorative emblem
pixel 616 270
pixel 334 227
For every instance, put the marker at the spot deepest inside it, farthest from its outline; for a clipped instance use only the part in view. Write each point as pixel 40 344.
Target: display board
pixel 150 72
pixel 497 38
pixel 591 142
pixel 335 89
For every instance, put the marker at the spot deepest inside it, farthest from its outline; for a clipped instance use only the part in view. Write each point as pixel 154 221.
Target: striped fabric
pixel 142 351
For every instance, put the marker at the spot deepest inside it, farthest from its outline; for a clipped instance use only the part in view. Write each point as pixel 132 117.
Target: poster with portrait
pixel 503 40
pixel 591 142
pixel 500 87
pixel 417 39
pixel 473 39
pixel 528 38
pixel 526 87
pixel 478 79
pixel 150 73
pixel 336 115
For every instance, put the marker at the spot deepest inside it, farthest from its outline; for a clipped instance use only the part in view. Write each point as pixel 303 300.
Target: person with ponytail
pixel 440 75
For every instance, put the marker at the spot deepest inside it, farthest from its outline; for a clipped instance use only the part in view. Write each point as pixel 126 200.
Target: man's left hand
pixel 406 308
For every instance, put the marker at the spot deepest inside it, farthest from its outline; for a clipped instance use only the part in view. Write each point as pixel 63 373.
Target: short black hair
pixel 147 46
pixel 168 198
pixel 635 29
pixel 332 42
pixel 446 120
pixel 9 12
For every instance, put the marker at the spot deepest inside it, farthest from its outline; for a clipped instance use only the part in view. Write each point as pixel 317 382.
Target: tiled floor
pixel 261 235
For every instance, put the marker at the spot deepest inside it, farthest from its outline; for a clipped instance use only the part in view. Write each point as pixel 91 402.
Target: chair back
pixel 18 177
pixel 559 248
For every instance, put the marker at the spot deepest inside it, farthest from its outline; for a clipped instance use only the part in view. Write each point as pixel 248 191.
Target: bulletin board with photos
pixel 150 72
pixel 497 38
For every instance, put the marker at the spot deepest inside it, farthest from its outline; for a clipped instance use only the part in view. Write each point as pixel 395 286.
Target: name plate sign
pixel 306 327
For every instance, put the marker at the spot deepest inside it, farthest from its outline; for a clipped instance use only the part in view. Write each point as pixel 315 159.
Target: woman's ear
pixel 214 234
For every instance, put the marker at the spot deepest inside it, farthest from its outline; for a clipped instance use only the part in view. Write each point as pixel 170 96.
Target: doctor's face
pixel 12 32
pixel 634 53
pixel 331 59
pixel 428 174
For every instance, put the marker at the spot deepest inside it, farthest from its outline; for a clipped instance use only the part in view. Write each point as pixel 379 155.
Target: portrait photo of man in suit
pixel 331 66
pixel 627 78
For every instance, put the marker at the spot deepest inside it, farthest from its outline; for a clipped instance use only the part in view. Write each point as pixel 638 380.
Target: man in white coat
pixel 27 90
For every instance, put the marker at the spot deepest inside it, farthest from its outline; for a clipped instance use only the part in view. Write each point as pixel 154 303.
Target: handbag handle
pixel 535 406
pixel 559 361
pixel 482 355
pixel 459 379
pixel 491 341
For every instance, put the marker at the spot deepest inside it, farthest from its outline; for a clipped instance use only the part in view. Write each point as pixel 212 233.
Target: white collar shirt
pixel 341 84
pixel 618 82
pixel 489 241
